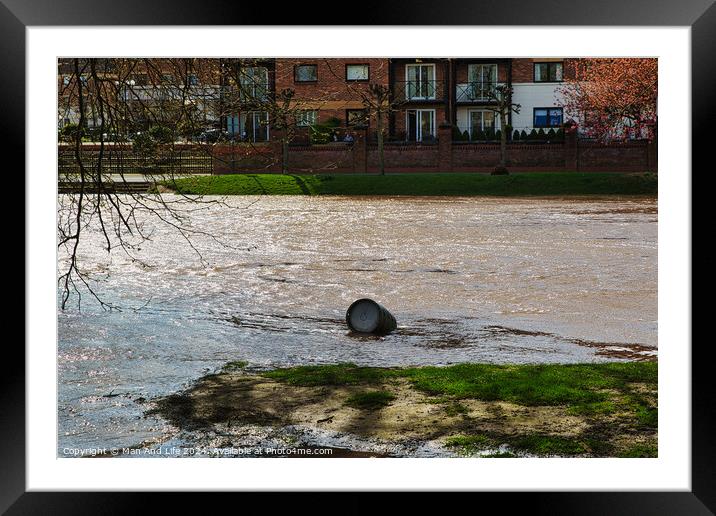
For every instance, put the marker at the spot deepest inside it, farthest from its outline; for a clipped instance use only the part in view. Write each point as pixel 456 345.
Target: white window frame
pixel 482 65
pixel 482 82
pixel 433 80
pixel 418 125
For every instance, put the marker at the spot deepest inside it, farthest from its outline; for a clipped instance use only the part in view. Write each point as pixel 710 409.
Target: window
pixel 482 79
pixel 548 72
pixel 420 81
pixel 356 117
pixel 306 118
pixel 357 72
pixel 420 124
pixel 482 73
pixel 548 117
pixel 482 120
pixel 254 82
pixel 305 73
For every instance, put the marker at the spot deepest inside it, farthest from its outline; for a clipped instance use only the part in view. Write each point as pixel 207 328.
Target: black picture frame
pixel 700 15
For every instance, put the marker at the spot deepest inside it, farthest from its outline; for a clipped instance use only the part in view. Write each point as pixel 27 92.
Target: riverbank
pixel 445 184
pixel 577 410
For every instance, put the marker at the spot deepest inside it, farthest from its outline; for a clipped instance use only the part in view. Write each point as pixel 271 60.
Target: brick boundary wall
pixel 448 156
pixel 442 156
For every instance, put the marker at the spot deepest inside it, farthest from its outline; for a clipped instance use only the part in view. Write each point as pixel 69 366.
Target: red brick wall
pixel 624 157
pixel 523 69
pixel 413 157
pixel 331 94
pixel 479 157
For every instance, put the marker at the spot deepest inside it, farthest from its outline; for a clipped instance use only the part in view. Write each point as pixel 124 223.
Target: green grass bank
pixel 484 410
pixel 444 184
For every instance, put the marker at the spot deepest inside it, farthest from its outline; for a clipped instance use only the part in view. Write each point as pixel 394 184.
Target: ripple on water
pixel 469 279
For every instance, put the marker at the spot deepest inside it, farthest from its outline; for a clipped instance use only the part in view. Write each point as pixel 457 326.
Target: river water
pixel 468 279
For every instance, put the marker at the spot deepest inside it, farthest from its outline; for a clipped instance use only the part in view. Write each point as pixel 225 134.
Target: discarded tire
pixel 367 316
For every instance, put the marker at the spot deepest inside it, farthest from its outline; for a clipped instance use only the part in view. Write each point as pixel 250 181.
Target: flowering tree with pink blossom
pixel 614 98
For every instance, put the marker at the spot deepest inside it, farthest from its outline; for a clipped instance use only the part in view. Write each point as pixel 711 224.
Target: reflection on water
pixel 468 279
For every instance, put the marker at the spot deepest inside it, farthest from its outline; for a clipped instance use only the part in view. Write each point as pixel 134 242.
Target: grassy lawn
pixel 584 388
pixel 516 184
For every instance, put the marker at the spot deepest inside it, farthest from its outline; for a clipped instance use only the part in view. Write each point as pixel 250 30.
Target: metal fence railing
pixel 419 91
pixel 130 162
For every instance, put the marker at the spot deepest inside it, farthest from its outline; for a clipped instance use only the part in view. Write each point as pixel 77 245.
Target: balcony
pixel 419 91
pixel 476 92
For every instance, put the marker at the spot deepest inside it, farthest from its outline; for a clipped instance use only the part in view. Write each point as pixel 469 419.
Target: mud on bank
pixel 582 410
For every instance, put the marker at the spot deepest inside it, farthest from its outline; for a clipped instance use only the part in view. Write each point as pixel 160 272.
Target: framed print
pixel 267 243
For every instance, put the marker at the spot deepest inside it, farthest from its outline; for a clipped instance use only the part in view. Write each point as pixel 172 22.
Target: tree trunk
pixel 503 140
pixel 284 156
pixel 381 156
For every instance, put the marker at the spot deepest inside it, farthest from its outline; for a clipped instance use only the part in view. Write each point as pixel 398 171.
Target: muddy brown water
pixel 468 279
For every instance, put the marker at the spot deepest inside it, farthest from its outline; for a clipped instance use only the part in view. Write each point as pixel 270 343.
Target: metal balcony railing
pixel 481 91
pixel 419 91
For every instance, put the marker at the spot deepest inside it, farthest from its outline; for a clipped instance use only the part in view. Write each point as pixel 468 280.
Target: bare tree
pixel 378 103
pixel 106 103
pixel 500 97
pixel 153 112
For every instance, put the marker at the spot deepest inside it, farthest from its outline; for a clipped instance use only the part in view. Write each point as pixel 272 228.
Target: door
pixel 420 124
pixel 254 126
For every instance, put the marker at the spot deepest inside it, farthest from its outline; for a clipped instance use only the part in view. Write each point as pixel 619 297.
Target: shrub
pixel 456 134
pixel 533 135
pixel 69 132
pixel 559 136
pixel 466 135
pixel 523 135
pixel 161 134
pixel 489 134
pixel 498 135
pixel 478 135
pixel 144 144
pixel 516 136
pixel 323 133
pixel 541 134
pixel 551 134
pixel 188 130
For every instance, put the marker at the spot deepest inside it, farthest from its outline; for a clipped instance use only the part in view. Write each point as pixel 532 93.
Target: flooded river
pixel 468 279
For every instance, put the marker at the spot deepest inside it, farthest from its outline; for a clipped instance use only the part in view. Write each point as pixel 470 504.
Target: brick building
pixel 427 93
